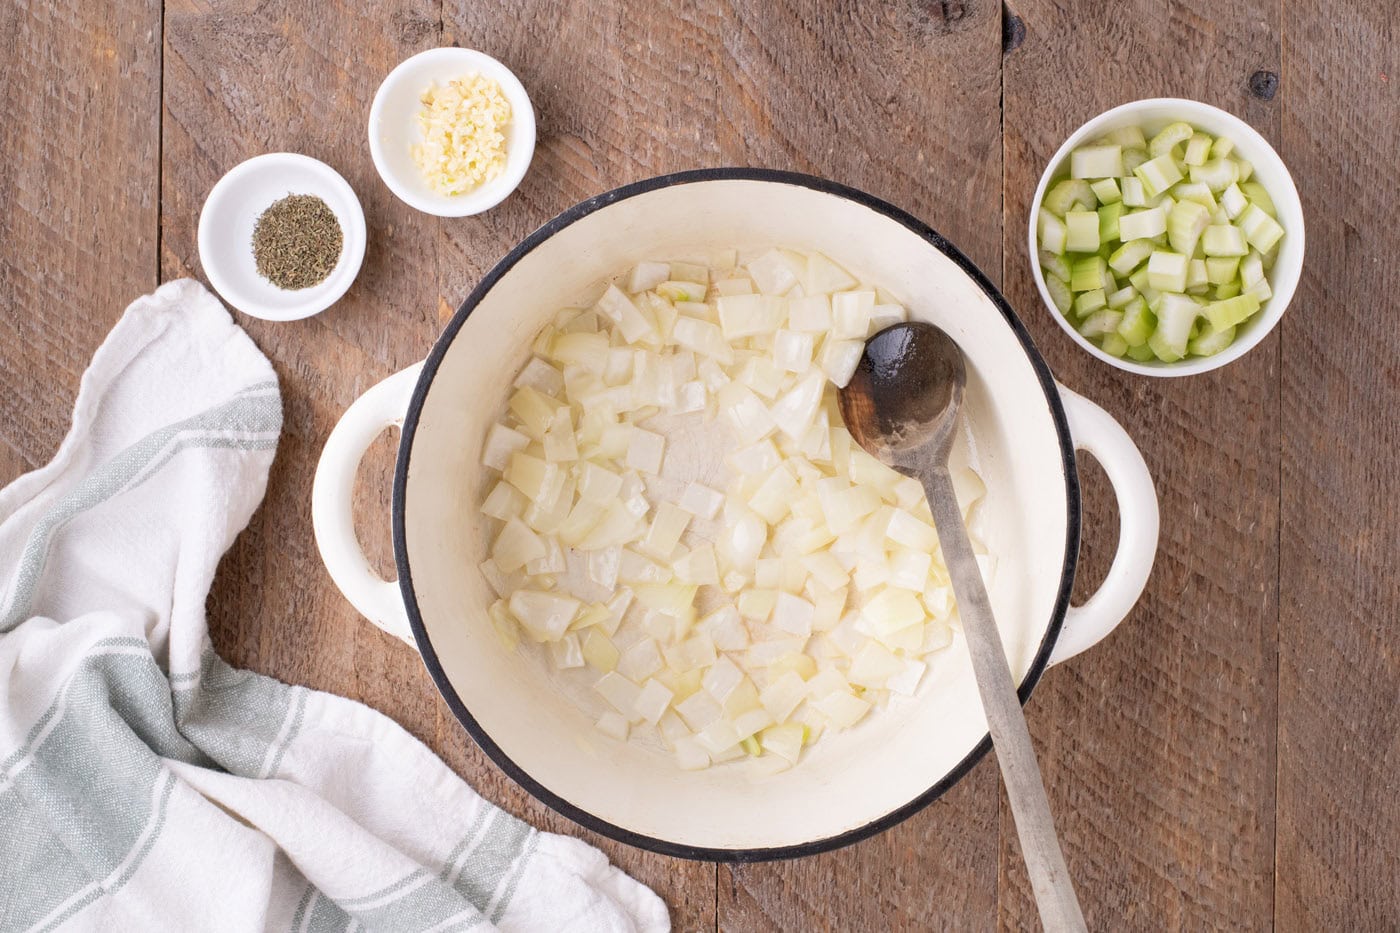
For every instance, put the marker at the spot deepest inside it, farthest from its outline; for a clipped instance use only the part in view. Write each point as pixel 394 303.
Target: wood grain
pixel 1227 759
pixel 79 130
pixel 1339 672
pixel 1158 745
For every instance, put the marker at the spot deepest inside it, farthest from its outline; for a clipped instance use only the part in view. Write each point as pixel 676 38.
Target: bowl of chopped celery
pixel 1166 237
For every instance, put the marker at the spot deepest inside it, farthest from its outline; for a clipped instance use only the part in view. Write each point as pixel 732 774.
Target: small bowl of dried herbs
pixel 281 236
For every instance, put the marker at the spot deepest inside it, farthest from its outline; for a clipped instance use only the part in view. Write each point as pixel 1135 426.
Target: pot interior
pixel 847 782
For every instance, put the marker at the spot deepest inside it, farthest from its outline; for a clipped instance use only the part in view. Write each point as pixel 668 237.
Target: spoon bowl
pixel 905 394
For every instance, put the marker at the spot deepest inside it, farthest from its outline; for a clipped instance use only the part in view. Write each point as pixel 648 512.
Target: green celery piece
pixel 1054 264
pixel 1144 224
pixel 1257 195
pixel 1211 342
pixel 1198 148
pixel 1259 290
pixel 1142 354
pixel 1103 161
pixel 1175 316
pixel 1108 222
pixel 1052 231
pixel 1082 232
pixel 1261 230
pixel 1220 270
pixel 1086 303
pixel 1228 290
pixel 1130 255
pixel 1246 169
pixel 1218 174
pixel 1059 293
pixel 1113 345
pixel 1164 142
pixel 1233 201
pixel 1157 175
pixel 1231 311
pixel 1166 271
pixel 1138 322
pixel 1196 275
pixel 1222 147
pixel 1100 323
pixel 1270 257
pixel 1119 299
pixel 1086 274
pixel 1133 195
pixel 1194 191
pixel 1185 224
pixel 1132 158
pixel 1251 269
pixel 1069 194
pixel 1106 190
pixel 1223 240
pixel 1129 137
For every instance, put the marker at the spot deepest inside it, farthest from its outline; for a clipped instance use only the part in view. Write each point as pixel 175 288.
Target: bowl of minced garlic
pixel 452 132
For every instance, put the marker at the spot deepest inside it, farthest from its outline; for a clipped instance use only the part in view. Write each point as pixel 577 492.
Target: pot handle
pixel 1094 430
pixel 379 409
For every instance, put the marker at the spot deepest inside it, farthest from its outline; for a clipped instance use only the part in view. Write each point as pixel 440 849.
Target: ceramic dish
pixel 1024 430
pixel 393 130
pixel 226 234
pixel 1269 170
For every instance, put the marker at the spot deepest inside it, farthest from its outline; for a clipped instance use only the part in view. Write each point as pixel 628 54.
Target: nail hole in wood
pixel 1263 84
pixel 1013 30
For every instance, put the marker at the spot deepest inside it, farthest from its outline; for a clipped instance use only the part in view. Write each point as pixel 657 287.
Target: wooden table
pixel 1228 759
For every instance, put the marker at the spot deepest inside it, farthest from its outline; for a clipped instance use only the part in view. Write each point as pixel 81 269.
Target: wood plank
pixel 1339 674
pixel 1158 745
pixel 78 81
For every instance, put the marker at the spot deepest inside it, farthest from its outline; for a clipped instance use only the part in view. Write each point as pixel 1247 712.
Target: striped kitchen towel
pixel 146 785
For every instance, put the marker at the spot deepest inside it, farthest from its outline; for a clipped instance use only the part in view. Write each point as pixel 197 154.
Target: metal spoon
pixel 902 406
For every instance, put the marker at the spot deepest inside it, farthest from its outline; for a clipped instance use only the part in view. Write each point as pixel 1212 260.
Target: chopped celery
pixel 1059 293
pixel 1096 162
pixel 1141 353
pixel 1129 137
pixel 1106 190
pixel 1166 271
pixel 1087 303
pixel 1130 255
pixel 1175 315
pixel 1261 230
pixel 1246 169
pixel 1222 147
pixel 1251 269
pixel 1185 224
pixel 1086 274
pixel 1211 341
pixel 1052 232
pixel 1221 270
pixel 1198 149
pixel 1069 194
pixel 1055 265
pixel 1114 345
pixel 1223 240
pixel 1228 290
pixel 1219 174
pixel 1138 322
pixel 1132 158
pixel 1138 225
pixel 1082 232
pixel 1157 175
pixel 1195 191
pixel 1100 323
pixel 1163 143
pixel 1196 276
pixel 1108 222
pixel 1231 311
pixel 1133 195
pixel 1260 290
pixel 1257 195
pixel 1232 199
pixel 1119 299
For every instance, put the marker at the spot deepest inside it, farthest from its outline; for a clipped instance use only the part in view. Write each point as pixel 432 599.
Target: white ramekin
pixel 1269 170
pixel 393 130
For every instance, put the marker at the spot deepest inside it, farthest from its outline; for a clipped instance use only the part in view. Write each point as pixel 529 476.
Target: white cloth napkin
pixel 146 785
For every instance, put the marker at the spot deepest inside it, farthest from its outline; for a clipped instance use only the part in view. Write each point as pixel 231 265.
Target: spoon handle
pixel 1045 863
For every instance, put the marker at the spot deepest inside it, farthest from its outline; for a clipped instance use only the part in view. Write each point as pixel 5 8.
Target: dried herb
pixel 297 242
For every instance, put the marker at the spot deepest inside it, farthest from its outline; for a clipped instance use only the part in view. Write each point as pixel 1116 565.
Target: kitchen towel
pixel 145 784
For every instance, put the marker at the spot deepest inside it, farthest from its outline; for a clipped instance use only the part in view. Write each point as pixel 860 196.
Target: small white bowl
pixel 1269 170
pixel 226 234
pixel 394 130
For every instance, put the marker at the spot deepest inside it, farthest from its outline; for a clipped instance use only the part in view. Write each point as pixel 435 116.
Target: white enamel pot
pixel 1023 434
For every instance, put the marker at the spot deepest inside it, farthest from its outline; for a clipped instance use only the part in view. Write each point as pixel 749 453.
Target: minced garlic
pixel 464 123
